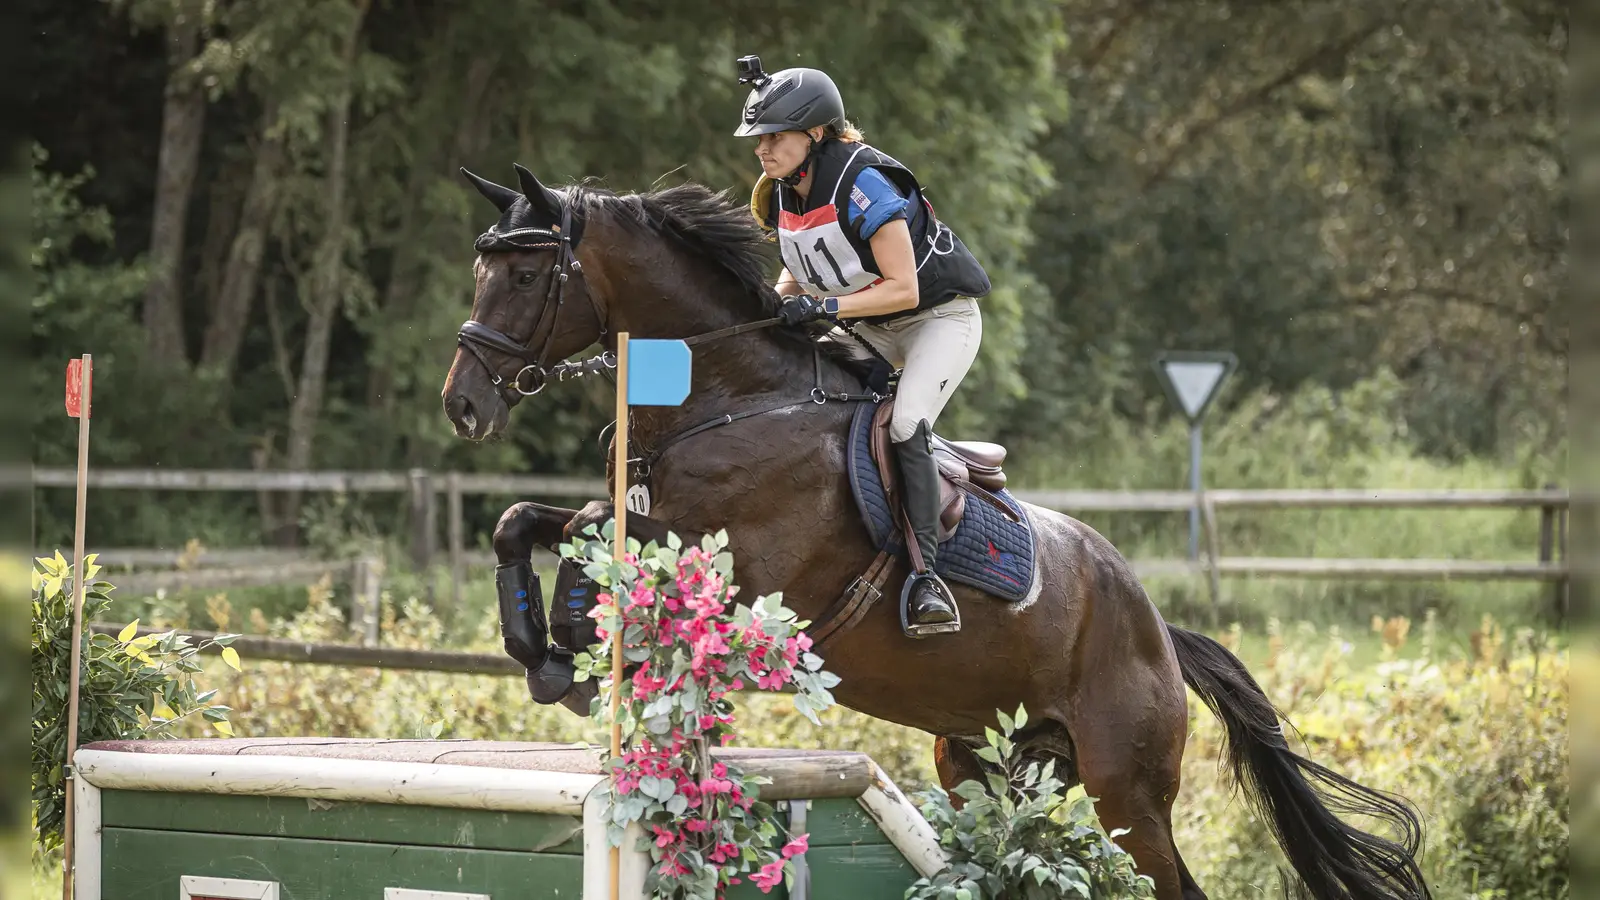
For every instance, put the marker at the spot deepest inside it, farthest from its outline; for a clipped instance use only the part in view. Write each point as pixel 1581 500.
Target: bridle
pixel 476 336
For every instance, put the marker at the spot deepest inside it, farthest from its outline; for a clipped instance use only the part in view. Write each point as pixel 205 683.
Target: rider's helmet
pixel 790 100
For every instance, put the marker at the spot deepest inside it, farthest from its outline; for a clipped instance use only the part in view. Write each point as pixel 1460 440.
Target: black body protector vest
pixel 826 256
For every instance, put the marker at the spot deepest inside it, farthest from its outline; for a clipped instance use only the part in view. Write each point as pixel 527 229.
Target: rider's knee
pixel 903 427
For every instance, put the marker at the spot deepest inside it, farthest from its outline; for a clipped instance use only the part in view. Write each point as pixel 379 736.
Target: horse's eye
pixel 527 278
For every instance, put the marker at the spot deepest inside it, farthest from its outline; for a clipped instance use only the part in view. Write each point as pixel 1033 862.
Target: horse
pixel 759 449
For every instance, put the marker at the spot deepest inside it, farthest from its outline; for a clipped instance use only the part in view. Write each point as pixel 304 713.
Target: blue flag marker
pixel 658 372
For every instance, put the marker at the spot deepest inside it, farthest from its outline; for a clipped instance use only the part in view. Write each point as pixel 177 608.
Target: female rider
pixel 860 245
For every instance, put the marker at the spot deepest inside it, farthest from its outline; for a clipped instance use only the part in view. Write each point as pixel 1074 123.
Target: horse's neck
pixel 729 375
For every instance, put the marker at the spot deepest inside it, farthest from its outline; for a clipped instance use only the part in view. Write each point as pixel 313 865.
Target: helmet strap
pixel 794 178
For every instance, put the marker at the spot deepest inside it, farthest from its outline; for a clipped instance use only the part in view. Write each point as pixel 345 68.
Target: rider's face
pixel 782 152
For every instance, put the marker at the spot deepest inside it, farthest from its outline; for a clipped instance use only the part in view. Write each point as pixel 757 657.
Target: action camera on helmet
pixel 750 71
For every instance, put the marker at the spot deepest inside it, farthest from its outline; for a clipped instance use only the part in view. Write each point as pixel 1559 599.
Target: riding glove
pixel 800 309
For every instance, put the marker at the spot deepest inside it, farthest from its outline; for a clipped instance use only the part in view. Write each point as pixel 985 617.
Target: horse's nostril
pixel 459 411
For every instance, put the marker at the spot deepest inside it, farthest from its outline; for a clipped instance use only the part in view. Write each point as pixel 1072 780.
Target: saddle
pixel 988 545
pixel 965 468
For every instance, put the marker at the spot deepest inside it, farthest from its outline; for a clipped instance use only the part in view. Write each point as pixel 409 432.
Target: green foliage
pixel 1514 827
pixel 1476 738
pixel 130 687
pixel 1022 834
pixel 1324 187
pixel 1455 718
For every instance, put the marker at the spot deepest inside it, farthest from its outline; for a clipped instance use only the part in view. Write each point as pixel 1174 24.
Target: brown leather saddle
pixel 965 468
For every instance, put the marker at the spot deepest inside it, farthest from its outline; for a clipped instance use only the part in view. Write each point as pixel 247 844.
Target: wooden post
pixel 1553 546
pixel 421 519
pixel 457 528
pixel 366 591
pixel 619 506
pixel 1547 535
pixel 1208 515
pixel 85 386
pixel 1561 554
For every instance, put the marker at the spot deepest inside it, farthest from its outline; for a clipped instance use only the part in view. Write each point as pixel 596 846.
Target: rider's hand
pixel 799 309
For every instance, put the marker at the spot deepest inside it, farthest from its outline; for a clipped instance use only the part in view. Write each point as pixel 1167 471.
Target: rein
pixel 818 396
pixel 477 337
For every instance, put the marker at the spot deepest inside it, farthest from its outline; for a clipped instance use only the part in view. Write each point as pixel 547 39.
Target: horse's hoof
pixel 581 698
pixel 551 682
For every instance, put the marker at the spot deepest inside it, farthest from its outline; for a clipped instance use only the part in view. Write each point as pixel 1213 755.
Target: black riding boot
pixel 926 604
pixel 525 635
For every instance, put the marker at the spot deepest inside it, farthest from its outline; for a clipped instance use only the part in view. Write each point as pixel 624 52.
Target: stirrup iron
pixel 914 630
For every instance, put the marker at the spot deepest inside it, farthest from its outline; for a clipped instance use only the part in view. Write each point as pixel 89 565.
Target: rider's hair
pixel 844 131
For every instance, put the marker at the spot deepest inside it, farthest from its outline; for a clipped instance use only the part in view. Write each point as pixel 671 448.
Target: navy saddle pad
pixel 988 551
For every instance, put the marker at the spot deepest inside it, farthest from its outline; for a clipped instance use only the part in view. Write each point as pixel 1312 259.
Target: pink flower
pixel 770 876
pixel 641 597
pixel 665 836
pixel 796 846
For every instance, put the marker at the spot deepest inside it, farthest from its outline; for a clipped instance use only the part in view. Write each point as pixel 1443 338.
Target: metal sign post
pixel 1192 380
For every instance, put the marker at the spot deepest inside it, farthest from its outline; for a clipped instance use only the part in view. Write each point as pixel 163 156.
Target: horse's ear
pixel 541 198
pixel 501 197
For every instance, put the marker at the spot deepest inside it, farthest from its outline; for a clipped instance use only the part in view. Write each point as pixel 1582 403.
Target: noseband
pixel 476 336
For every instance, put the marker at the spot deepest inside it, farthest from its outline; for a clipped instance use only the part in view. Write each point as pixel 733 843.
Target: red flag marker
pixel 79 382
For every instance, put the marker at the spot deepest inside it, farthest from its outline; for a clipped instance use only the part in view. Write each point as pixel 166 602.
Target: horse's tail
pixel 1334 861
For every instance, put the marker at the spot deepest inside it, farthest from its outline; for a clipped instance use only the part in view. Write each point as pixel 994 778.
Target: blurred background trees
pixel 250 212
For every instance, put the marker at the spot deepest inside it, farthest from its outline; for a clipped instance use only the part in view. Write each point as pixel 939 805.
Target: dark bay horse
pixel 1101 674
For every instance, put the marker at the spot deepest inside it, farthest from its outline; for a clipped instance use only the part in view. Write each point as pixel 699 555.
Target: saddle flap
pixel 883 452
pixel 981 454
pixel 952 506
pixel 953 472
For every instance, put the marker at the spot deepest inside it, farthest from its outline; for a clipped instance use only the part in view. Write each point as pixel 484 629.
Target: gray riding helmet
pixel 791 100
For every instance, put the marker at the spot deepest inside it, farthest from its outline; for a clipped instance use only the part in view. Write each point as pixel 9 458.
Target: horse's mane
pixel 714 226
pixel 707 223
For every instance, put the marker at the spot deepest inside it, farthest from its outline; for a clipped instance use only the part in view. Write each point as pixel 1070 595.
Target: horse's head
pixel 563 270
pixel 532 307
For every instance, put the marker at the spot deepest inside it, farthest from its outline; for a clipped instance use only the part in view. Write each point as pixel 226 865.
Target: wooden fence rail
pixel 256 647
pixel 214 569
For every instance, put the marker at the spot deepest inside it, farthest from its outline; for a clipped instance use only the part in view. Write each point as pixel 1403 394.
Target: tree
pixel 1323 187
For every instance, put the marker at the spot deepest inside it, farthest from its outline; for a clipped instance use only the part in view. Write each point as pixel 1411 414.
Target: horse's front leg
pixel 640 528
pixel 525 526
pixel 524 627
